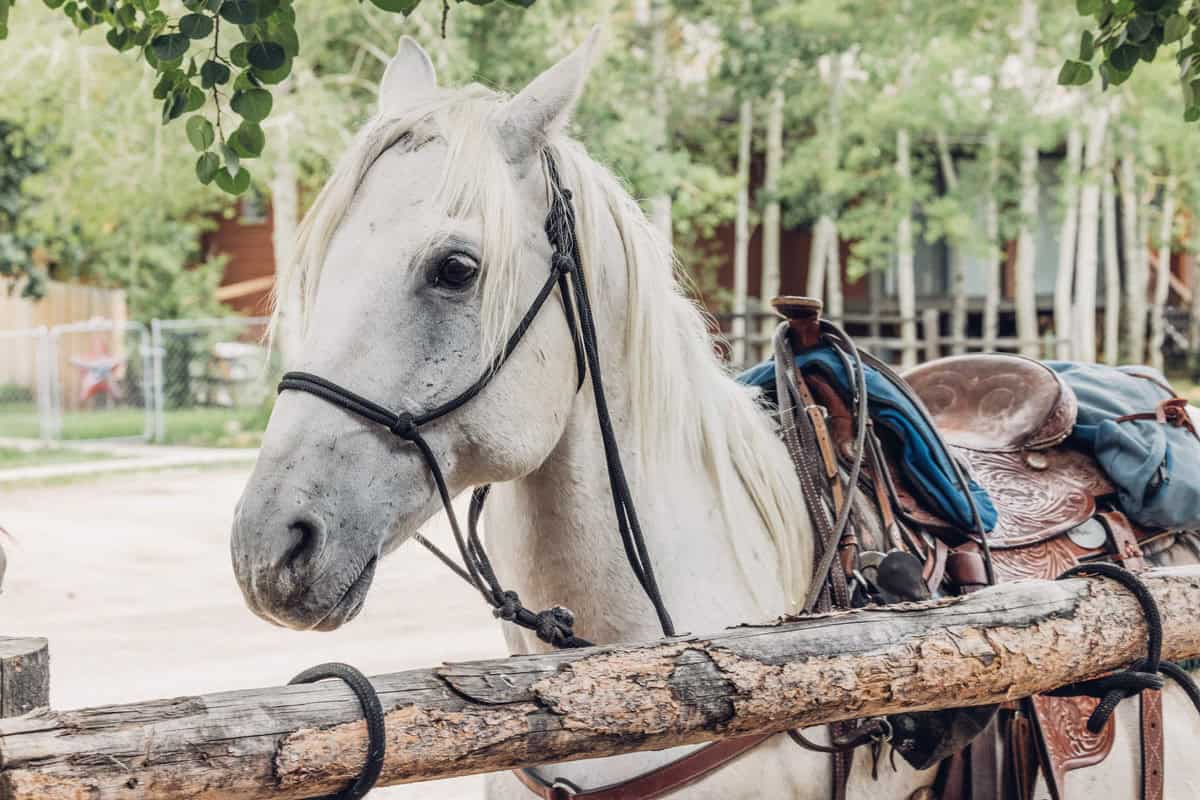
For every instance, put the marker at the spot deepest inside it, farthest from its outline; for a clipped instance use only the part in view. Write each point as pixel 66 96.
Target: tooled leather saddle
pixel 1006 421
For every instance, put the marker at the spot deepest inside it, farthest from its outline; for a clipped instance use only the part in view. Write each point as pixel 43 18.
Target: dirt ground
pixel 129 577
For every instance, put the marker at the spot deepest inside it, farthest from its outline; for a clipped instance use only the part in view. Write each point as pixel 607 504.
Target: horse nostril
pixel 308 539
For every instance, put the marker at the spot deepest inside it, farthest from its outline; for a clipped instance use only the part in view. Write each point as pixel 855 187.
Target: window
pixel 252 209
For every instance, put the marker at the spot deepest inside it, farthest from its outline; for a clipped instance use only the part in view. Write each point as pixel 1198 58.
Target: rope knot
pixel 403 426
pixel 561 262
pixel 555 626
pixel 508 606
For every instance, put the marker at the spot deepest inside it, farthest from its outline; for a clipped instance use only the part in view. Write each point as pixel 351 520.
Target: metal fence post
pixel 156 348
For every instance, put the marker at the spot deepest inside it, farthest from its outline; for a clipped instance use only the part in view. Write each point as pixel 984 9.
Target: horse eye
pixel 456 271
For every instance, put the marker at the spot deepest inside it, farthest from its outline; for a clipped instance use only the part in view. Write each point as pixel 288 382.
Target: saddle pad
pixel 925 462
pixel 1155 465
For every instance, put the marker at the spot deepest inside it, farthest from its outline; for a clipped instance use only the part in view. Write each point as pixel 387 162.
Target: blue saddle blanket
pixel 1155 466
pixel 925 461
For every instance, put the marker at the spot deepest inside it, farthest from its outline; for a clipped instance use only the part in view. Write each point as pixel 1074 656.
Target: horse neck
pixel 554 537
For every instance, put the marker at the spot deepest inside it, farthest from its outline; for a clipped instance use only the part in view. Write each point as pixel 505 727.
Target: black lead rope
pixel 372 712
pixel 555 626
pixel 1144 674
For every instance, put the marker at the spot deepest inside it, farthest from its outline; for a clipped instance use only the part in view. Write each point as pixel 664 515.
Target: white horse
pixel 416 260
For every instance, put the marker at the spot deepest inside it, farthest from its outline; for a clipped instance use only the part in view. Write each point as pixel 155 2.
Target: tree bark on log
pixel 24 676
pixel 301 741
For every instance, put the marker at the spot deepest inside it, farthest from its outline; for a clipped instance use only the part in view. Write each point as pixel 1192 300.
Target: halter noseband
pixel 554 626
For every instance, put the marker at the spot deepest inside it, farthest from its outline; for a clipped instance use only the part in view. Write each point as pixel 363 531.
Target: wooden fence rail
pixel 294 742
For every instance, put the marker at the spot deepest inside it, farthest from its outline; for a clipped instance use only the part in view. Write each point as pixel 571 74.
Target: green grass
pixel 12 457
pixel 200 426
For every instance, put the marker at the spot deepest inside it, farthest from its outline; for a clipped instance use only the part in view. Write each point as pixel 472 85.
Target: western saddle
pixel 1006 421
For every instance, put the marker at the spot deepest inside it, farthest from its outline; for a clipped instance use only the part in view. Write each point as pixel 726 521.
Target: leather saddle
pixel 1007 417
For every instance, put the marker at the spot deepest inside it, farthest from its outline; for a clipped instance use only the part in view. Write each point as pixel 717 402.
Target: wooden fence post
pixel 24 675
pixel 933 338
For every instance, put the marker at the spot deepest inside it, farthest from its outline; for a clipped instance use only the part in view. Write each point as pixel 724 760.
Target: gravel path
pixel 129 578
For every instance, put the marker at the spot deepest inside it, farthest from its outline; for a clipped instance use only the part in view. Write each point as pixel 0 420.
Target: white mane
pixel 684 404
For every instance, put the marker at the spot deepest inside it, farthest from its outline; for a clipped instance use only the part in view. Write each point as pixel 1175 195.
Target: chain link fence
pixel 214 380
pixel 206 382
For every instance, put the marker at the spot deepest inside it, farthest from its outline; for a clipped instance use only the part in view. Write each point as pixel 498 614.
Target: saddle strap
pixel 656 782
pixel 1152 744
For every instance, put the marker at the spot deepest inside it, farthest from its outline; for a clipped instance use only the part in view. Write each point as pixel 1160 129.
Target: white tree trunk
pixel 1112 271
pixel 1135 274
pixel 1026 272
pixel 834 303
pixel 1064 280
pixel 815 283
pixel 771 209
pixel 906 290
pixel 652 15
pixel 1162 275
pixel 958 274
pixel 741 242
pixel 991 226
pixel 1086 267
pixel 285 218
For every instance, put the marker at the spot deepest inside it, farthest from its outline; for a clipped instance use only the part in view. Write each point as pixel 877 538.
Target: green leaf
pixel 1087 46
pixel 200 133
pixel 1139 27
pixel 1125 57
pixel 521 3
pixel 235 183
pixel 232 160
pixel 1074 73
pixel 5 7
pixel 195 26
pixel 271 76
pixel 253 105
pixel 248 140
pixel 404 7
pixel 1191 114
pixel 53 5
pixel 1147 50
pixel 266 55
pixel 119 40
pixel 195 99
pixel 239 12
pixel 207 166
pixel 170 47
pixel 1087 8
pixel 173 106
pixel 1112 75
pixel 1175 28
pixel 213 73
pixel 237 54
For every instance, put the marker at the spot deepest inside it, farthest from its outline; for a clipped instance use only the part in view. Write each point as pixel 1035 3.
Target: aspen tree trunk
pixel 991 225
pixel 824 269
pixel 1135 277
pixel 1026 273
pixel 741 242
pixel 285 215
pixel 1064 280
pixel 1162 275
pixel 958 274
pixel 660 204
pixel 1112 271
pixel 1086 266
pixel 771 209
pixel 905 275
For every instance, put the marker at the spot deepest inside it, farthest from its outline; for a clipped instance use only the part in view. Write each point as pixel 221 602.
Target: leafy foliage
pixel 19 159
pixel 1131 31
pixel 207 78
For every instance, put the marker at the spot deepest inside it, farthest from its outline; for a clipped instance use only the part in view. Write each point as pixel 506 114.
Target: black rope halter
pixel 555 626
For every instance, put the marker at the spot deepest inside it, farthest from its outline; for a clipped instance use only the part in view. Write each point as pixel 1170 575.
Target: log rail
pixel 288 743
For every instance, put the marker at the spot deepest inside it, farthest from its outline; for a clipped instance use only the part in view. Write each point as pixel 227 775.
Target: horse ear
pixel 543 108
pixel 409 76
